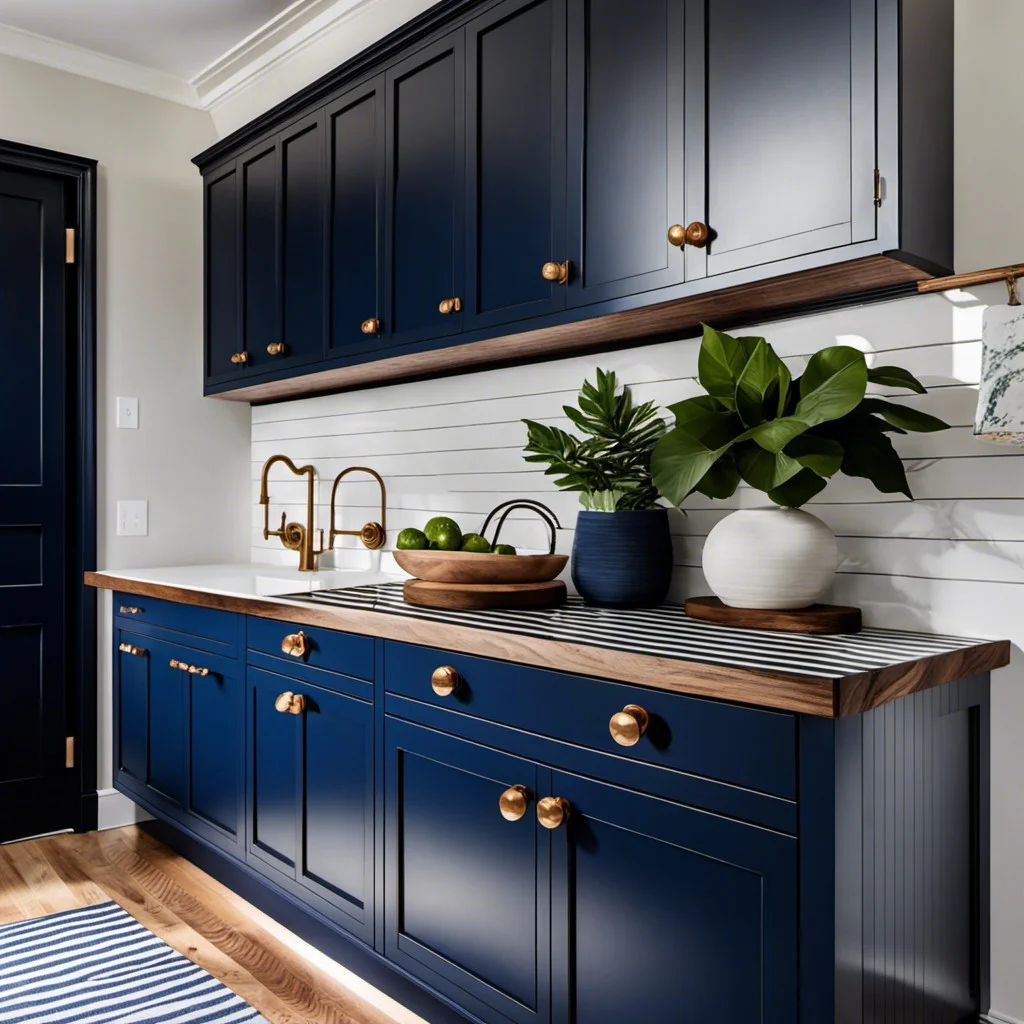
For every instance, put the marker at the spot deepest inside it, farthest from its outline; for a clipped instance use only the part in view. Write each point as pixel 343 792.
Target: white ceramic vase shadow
pixel 774 557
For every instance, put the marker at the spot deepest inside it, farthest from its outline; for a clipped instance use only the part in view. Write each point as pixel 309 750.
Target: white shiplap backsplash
pixel 952 560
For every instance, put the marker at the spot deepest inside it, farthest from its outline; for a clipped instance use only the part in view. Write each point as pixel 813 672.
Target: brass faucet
pixel 372 535
pixel 294 536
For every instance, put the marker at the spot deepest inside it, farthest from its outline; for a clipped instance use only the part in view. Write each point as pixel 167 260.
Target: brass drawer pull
pixel 129 609
pixel 295 644
pixel 553 811
pixel 629 725
pixel 276 348
pixel 371 326
pixel 290 703
pixel 514 803
pixel 184 666
pixel 136 652
pixel 557 273
pixel 696 234
pixel 240 358
pixel 448 306
pixel 445 681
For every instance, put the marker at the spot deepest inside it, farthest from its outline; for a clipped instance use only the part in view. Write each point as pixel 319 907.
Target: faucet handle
pixel 267 531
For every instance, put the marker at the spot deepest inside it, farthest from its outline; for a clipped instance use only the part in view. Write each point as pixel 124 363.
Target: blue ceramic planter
pixel 622 559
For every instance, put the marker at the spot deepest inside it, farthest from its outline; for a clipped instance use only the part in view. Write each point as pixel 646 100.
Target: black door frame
pixel 78 176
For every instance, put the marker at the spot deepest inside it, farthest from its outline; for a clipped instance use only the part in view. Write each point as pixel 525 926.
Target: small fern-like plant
pixel 610 466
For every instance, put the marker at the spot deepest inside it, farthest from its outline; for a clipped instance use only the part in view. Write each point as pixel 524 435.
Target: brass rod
pixel 945 284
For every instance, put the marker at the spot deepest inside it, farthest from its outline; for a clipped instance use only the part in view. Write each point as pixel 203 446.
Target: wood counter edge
pixel 820 696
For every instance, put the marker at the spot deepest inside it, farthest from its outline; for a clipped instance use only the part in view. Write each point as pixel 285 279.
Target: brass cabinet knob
pixel 696 234
pixel 276 348
pixel 290 703
pixel 556 272
pixel 514 803
pixel 136 652
pixel 445 680
pixel 295 644
pixel 448 306
pixel 629 725
pixel 240 358
pixel 371 326
pixel 553 811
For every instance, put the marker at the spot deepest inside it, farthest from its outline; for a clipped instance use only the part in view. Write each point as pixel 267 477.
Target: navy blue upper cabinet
pixel 261 306
pixel 663 913
pixel 222 263
pixel 626 123
pixel 355 154
pixel 425 176
pixel 515 169
pixel 784 135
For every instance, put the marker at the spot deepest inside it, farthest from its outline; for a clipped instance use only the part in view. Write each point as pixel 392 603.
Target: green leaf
pixel 763 469
pixel 903 416
pixel 719 364
pixel 705 418
pixel 721 480
pixel 869 454
pixel 895 377
pixel 774 435
pixel 679 462
pixel 763 375
pixel 819 454
pixel 798 491
pixel 832 386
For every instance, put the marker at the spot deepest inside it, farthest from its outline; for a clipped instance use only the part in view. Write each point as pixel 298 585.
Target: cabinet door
pixel 168 764
pixel 426 206
pixel 466 890
pixel 788 170
pixel 259 170
pixel 223 293
pixel 625 137
pixel 355 155
pixel 663 913
pixel 131 723
pixel 303 201
pixel 311 796
pixel 515 166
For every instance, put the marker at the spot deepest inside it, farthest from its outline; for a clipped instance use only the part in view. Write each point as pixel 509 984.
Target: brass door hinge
pixel 69 245
pixel 69 752
pixel 878 188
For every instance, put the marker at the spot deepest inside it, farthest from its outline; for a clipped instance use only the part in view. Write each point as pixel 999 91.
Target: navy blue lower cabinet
pixel 664 913
pixel 310 793
pixel 466 894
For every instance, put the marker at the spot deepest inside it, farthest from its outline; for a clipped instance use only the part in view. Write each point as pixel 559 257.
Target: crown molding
pixel 77 60
pixel 295 28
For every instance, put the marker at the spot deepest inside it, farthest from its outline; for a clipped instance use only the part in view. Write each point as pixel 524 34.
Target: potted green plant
pixel 786 437
pixel 622 551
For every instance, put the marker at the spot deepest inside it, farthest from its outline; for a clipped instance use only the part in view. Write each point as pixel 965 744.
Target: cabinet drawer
pixel 745 746
pixel 325 649
pixel 222 628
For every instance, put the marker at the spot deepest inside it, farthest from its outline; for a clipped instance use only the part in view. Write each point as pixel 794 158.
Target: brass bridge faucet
pixel 372 535
pixel 294 536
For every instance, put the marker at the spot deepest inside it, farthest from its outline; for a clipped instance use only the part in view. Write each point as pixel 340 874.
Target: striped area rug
pixel 98 965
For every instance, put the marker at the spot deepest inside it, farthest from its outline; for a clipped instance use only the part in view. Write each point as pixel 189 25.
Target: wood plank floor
pixel 192 912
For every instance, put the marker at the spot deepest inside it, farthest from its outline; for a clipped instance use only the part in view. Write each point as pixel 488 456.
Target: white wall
pixel 189 456
pixel 951 561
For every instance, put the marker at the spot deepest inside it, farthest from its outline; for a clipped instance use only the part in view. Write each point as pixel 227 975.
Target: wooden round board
pixel 818 618
pixel 466 567
pixel 474 597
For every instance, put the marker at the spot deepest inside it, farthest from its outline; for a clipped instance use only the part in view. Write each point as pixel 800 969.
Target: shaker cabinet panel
pixel 260 253
pixel 625 139
pixel 355 132
pixel 426 151
pixel 515 72
pixel 223 312
pixel 790 158
pixel 132 724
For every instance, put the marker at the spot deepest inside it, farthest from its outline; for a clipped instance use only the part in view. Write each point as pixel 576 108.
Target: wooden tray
pixel 474 597
pixel 818 618
pixel 467 567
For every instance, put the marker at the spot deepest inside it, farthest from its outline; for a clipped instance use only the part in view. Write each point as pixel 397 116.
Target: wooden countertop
pixel 661 648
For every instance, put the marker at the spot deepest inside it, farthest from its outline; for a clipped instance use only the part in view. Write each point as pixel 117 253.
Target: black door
pixel 34 783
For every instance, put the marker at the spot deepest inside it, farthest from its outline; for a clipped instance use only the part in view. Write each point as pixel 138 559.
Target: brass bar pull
pixel 371 326
pixel 184 666
pixel 135 652
pixel 557 273
pixel 276 348
pixel 553 811
pixel 696 234
pixel 448 306
pixel 129 609
pixel 240 358
pixel 514 803
pixel 629 725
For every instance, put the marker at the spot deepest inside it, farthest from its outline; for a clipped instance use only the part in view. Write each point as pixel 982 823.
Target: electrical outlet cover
pixel 133 518
pixel 128 413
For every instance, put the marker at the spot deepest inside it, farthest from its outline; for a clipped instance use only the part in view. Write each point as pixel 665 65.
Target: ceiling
pixel 177 37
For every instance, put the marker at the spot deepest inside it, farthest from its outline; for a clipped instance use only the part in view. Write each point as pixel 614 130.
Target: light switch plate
pixel 128 413
pixel 133 518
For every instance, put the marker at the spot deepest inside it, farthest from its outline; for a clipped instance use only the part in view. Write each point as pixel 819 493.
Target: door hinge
pixel 878 188
pixel 69 245
pixel 69 752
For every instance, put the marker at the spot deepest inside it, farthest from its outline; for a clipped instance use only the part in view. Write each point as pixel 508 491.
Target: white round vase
pixel 770 558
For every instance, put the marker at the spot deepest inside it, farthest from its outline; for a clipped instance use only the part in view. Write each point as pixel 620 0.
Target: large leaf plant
pixel 610 466
pixel 781 435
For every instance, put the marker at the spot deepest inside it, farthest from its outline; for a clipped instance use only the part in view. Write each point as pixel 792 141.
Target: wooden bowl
pixel 468 567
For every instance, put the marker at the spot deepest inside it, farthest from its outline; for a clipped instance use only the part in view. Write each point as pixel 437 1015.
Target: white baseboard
pixel 1000 1018
pixel 115 810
